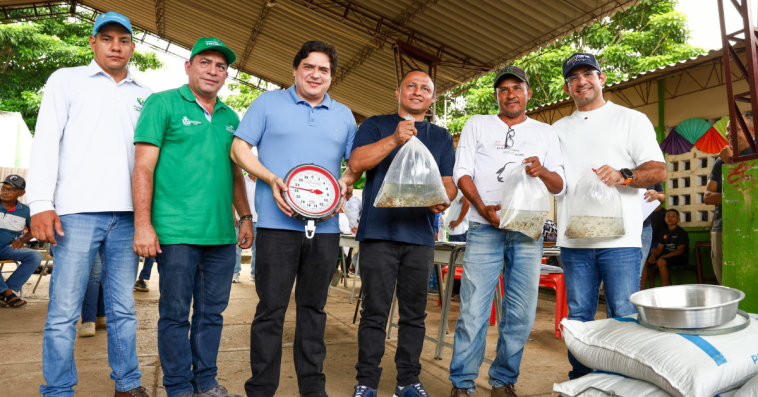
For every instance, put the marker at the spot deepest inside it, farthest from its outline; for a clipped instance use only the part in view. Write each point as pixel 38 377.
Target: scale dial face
pixel 312 191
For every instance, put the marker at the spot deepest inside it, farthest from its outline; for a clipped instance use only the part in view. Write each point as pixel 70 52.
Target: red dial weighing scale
pixel 313 194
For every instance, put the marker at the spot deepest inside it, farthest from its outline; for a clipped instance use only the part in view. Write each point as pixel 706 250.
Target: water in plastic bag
pixel 413 179
pixel 596 209
pixel 525 203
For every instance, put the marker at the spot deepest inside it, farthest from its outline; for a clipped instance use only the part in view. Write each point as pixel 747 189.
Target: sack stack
pixel 641 362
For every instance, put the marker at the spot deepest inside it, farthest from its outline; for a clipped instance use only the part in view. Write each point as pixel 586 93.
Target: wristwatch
pixel 246 218
pixel 628 176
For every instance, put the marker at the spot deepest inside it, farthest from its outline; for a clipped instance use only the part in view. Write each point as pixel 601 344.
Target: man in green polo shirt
pixel 184 184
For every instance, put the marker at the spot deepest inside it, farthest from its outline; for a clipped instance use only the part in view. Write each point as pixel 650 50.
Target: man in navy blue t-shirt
pixel 397 244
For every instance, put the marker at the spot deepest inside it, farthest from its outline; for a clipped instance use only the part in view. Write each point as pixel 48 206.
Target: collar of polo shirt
pixel 93 69
pixel 190 97
pixel 326 103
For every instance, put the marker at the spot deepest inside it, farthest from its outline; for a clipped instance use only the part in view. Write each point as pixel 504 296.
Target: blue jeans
pixel 199 276
pixel 238 264
pixel 93 305
pixel 111 235
pixel 583 270
pixel 147 268
pixel 491 252
pixel 647 241
pixel 29 259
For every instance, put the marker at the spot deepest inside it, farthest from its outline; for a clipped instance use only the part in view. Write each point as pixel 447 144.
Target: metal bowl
pixel 687 306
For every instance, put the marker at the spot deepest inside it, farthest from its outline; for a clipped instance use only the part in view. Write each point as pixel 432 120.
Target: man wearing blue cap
pixel 182 215
pixel 620 144
pixel 80 198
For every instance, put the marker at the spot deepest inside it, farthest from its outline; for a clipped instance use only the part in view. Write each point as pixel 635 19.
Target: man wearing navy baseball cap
pixel 97 106
pixel 623 141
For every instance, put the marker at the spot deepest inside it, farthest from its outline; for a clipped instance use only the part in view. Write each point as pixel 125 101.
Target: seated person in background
pixel 672 250
pixel 14 217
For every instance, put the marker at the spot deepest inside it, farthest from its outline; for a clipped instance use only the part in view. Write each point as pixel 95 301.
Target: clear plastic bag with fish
pixel 525 203
pixel 413 179
pixel 596 210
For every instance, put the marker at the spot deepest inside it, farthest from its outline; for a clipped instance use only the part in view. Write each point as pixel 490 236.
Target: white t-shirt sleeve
pixel 643 145
pixel 554 160
pixel 464 155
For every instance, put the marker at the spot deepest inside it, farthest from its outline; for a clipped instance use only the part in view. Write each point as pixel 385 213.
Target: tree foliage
pixel 31 51
pixel 650 35
pixel 244 92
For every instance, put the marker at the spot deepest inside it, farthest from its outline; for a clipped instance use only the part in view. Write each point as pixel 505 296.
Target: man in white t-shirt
pixel 620 144
pixel 458 216
pixel 490 147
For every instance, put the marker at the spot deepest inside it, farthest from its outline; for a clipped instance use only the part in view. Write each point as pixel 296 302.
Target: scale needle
pixel 316 191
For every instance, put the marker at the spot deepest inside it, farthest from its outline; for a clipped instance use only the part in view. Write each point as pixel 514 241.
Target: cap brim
pixel 129 28
pixel 565 75
pixel 504 75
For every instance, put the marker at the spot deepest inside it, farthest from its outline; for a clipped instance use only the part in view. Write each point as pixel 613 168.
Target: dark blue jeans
pixel 584 269
pixel 93 305
pixel 199 276
pixel 147 268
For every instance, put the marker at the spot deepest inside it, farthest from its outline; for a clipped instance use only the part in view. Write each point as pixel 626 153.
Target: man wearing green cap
pixel 184 185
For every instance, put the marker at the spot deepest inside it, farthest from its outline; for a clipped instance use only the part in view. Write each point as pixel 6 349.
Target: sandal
pixel 13 301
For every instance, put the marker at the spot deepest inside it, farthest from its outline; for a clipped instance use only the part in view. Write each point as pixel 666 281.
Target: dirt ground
pixel 544 361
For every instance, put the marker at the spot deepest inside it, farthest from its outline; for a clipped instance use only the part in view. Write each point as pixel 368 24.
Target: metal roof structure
pixel 462 39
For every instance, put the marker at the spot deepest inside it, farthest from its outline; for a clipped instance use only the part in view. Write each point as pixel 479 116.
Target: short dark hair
pixel 409 72
pixel 673 210
pixel 317 46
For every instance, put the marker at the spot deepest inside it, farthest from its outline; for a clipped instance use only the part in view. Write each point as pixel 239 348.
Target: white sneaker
pixel 252 277
pixel 87 330
pixel 236 278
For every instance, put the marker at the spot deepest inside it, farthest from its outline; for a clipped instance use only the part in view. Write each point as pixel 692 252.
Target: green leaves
pixel 243 94
pixel 31 51
pixel 648 36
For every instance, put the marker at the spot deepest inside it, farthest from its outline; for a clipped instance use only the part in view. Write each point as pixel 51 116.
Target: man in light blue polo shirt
pixel 292 127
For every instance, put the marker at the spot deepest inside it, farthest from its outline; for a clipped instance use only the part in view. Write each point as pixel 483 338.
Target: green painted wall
pixel 740 205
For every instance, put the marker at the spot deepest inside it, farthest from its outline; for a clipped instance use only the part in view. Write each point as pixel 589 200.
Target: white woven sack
pixel 750 389
pixel 682 365
pixel 602 384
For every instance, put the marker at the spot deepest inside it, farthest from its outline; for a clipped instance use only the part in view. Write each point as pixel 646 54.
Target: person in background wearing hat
pixel 491 146
pixel 14 218
pixel 80 198
pixel 301 124
pixel 397 244
pixel 620 144
pixel 184 183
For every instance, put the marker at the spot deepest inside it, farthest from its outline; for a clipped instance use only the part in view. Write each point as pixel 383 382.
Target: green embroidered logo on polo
pixel 188 122
pixel 140 103
pixel 230 128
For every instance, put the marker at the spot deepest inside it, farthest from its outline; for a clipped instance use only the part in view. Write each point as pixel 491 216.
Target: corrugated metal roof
pixel 653 73
pixel 488 32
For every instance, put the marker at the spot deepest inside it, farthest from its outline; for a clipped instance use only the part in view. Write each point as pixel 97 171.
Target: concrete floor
pixel 544 361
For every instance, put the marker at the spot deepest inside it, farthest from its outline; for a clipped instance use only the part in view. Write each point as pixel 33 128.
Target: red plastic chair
pixel 554 281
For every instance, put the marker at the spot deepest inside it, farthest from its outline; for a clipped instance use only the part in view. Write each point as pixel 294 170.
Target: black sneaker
pixel 434 291
pixel 141 286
